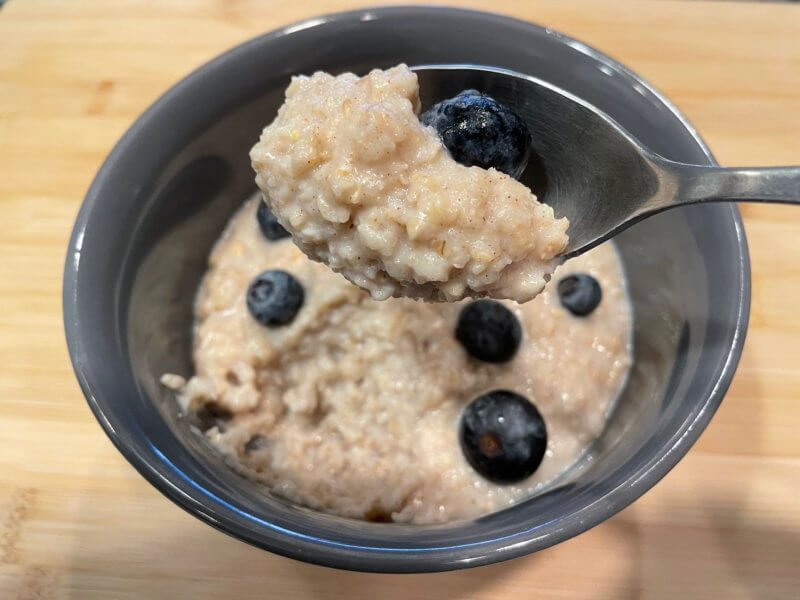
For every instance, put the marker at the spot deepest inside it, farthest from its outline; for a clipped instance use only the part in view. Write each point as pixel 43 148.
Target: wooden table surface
pixel 76 521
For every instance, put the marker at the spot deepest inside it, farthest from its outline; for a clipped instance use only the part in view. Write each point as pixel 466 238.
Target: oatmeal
pixel 364 187
pixel 353 407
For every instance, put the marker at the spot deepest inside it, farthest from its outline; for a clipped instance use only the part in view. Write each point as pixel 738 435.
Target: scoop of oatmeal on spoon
pixel 406 206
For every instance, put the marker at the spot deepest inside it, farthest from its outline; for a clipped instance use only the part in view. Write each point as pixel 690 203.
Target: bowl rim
pixel 330 553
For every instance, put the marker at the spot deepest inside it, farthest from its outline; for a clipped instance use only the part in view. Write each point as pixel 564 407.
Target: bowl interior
pixel 167 190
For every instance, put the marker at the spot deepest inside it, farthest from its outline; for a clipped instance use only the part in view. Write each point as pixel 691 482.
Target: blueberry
pixel 478 130
pixel 274 297
pixel 488 331
pixel 269 225
pixel 580 294
pixel 503 436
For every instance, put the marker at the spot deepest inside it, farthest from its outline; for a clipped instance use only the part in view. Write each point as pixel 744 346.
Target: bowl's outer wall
pixel 164 195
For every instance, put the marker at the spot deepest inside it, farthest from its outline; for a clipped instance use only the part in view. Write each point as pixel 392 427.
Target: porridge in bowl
pixel 367 404
pixel 356 407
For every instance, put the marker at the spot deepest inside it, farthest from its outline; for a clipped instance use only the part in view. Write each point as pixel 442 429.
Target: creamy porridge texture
pixel 353 408
pixel 364 187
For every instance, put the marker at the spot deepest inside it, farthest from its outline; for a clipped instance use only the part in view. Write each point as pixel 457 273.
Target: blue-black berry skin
pixel 274 298
pixel 503 436
pixel 268 224
pixel 488 331
pixel 479 131
pixel 580 294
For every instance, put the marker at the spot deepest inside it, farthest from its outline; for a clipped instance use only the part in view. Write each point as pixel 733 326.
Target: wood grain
pixel 76 521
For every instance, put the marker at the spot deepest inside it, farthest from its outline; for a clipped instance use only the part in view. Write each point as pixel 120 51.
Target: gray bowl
pixel 164 194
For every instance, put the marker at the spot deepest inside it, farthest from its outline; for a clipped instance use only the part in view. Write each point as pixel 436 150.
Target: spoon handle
pixel 697 183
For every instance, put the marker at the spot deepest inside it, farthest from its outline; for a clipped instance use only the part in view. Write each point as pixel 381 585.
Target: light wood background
pixel 76 521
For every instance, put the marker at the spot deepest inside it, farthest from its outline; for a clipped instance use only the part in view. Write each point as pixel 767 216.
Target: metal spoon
pixel 592 171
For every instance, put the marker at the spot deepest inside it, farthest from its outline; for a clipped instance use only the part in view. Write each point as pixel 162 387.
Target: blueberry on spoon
pixel 503 436
pixel 477 130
